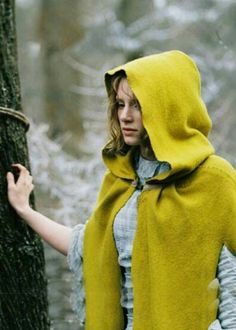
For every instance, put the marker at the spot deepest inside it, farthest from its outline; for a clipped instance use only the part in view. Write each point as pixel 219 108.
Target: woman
pixel 166 206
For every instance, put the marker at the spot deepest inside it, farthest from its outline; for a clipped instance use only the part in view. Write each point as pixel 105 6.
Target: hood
pixel 168 88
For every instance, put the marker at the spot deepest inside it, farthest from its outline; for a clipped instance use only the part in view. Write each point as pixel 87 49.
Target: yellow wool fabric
pixel 182 223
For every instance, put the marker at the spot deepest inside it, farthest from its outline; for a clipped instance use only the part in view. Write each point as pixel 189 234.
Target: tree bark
pixel 23 287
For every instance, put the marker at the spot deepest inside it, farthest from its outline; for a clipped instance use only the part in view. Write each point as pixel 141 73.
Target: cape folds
pixel 182 223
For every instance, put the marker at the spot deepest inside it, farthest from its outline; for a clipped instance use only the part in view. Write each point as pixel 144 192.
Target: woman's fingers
pixel 24 176
pixel 24 184
pixel 10 180
pixel 19 191
pixel 30 178
pixel 22 168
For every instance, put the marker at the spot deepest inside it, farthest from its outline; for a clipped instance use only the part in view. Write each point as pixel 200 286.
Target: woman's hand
pixel 18 192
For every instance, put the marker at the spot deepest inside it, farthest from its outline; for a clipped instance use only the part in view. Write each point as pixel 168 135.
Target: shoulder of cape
pixel 108 178
pixel 107 182
pixel 220 167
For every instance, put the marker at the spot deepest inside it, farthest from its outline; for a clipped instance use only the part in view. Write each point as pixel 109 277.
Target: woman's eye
pixel 120 105
pixel 136 105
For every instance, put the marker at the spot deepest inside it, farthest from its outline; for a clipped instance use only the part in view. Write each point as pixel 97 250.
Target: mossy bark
pixel 23 285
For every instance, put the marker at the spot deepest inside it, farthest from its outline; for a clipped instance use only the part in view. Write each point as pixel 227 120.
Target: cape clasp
pixel 134 183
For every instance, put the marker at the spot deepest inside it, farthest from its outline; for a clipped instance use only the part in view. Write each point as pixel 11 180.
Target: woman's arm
pixel 226 274
pixel 53 233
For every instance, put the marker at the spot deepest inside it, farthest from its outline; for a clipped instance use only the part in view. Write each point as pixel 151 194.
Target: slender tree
pixel 23 290
pixel 129 11
pixel 59 30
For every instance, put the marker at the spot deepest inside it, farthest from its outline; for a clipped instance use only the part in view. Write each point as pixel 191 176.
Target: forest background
pixel 64 48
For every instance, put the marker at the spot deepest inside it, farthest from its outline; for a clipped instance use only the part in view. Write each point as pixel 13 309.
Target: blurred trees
pixel 77 42
pixel 23 294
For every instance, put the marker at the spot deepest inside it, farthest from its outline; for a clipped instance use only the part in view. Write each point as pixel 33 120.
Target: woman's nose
pixel 126 114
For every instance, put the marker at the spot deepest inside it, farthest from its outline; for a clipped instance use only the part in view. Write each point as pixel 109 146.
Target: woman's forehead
pixel 124 89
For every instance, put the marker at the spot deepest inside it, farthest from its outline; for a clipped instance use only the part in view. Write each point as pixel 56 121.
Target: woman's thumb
pixel 10 179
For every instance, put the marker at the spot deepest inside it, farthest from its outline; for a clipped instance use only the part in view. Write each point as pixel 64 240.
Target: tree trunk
pixel 130 11
pixel 60 29
pixel 23 290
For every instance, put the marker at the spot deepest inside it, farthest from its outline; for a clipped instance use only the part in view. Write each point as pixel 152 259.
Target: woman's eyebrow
pixel 132 98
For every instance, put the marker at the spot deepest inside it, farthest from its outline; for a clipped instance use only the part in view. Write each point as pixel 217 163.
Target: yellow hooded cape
pixel 182 223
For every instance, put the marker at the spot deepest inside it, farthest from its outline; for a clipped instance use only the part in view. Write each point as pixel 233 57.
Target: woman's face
pixel 129 114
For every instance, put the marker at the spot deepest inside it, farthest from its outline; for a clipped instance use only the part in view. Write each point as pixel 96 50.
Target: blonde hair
pixel 116 144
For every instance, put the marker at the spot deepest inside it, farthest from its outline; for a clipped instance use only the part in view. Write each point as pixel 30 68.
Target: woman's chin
pixel 132 142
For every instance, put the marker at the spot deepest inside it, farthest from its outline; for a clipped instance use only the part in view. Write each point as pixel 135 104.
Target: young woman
pixel 147 257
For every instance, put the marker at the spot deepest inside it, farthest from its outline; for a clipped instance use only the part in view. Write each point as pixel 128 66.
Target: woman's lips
pixel 128 131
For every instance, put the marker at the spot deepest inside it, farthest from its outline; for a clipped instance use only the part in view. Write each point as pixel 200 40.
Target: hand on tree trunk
pixel 19 191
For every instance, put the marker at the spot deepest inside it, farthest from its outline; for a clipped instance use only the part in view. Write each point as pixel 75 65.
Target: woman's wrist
pixel 23 211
